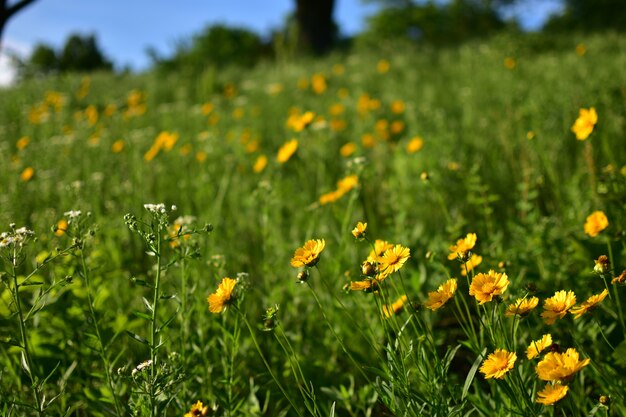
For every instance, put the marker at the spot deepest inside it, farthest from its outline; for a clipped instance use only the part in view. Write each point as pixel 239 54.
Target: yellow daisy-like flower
pixel 473 262
pixel 595 223
pixel 27 174
pixel 393 259
pixel 380 247
pixel 557 306
pixel 522 306
pixel 223 296
pixel 395 308
pixel 359 231
pixel 462 246
pixel 62 227
pixel 486 286
pixel 560 366
pixel 260 164
pixel 583 126
pixel 498 364
pixel 118 146
pixel 347 183
pixel 309 254
pixel 552 394
pixel 287 150
pixel 347 149
pixel 537 346
pixel 198 409
pixel 437 299
pixel 589 305
pixel 414 145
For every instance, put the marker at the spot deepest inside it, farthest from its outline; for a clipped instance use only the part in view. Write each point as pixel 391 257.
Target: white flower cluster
pixel 17 237
pixel 155 208
pixel 185 220
pixel 141 367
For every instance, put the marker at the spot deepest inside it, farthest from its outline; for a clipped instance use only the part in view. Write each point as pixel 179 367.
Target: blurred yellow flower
pixel 318 83
pixel 198 410
pixel 118 146
pixel 27 174
pixel 581 49
pixel 588 305
pixel 395 308
pixel 201 156
pixel 347 183
pixel 287 150
pixel 207 108
pixel 462 247
pixel 62 226
pixel 437 299
pixel 338 125
pixel 560 366
pixel 359 230
pixel 522 306
pixel 260 164
pixel 336 109
pixel 595 223
pixel 557 306
pixel 91 114
pixel 383 66
pixel 472 263
pixel 552 394
pixel 415 145
pixel 397 106
pixel 309 254
pixel 368 140
pixel 347 149
pixel 510 63
pixel 498 364
pixel 22 143
pixel 223 296
pixel 583 126
pixel 538 346
pixel 486 286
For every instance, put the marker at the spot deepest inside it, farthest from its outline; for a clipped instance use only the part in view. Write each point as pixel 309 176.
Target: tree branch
pixel 12 9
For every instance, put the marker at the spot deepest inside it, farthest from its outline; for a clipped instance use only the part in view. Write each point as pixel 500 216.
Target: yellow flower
pixel 397 127
pixel 62 226
pixel 336 109
pixel 347 183
pixel 347 149
pixel 415 145
pixel 589 305
pixel 522 306
pixel 198 409
pixel 118 146
pixel 285 151
pixel 309 254
pixel 556 307
pixel 367 285
pixel 223 296
pixel 380 247
pixel 437 299
pixel 393 259
pixel 462 247
pixel 397 106
pixel 583 126
pixel 383 66
pixel 595 223
pixel 486 286
pixel 581 49
pixel 359 231
pixel 330 197
pixel 560 366
pixel 498 364
pixel 509 63
pixel 22 142
pixel 318 83
pixel 469 266
pixel 395 308
pixel 201 156
pixel 260 164
pixel 551 394
pixel 27 174
pixel 537 346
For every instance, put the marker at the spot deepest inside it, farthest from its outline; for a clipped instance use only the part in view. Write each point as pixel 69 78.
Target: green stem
pixel 616 298
pixel 154 326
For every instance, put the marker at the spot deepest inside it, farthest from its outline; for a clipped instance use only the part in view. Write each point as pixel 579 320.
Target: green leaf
pixel 472 373
pixel 142 315
pixel 138 338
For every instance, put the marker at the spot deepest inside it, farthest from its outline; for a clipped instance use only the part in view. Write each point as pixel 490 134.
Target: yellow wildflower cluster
pixel 164 141
pixel 344 185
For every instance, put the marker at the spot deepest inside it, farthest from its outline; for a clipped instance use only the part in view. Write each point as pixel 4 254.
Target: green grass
pixel 526 199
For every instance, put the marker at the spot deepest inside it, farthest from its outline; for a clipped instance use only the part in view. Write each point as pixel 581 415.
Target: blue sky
pixel 126 28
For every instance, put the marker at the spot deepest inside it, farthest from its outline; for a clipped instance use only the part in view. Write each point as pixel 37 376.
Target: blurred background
pixel 40 37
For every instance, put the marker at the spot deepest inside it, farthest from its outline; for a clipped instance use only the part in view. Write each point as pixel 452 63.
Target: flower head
pixel 462 247
pixel 287 150
pixel 393 259
pixel 486 286
pixel 359 231
pixel 560 366
pixel 583 126
pixel 473 262
pixel 602 265
pixel 198 409
pixel 309 254
pixel 552 394
pixel 437 299
pixel 367 285
pixel 537 346
pixel 522 306
pixel 498 364
pixel 395 308
pixel 27 174
pixel 589 304
pixel 260 164
pixel 223 296
pixel 621 279
pixel 595 223
pixel 380 246
pixel 557 306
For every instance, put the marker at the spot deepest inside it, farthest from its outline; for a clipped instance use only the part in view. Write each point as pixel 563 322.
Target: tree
pixel 43 60
pixel 81 53
pixel 9 10
pixel 590 15
pixel 317 29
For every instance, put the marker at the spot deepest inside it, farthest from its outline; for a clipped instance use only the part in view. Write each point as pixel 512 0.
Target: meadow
pixel 177 244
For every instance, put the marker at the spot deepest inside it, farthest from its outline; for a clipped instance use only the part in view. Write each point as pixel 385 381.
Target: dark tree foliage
pixel 8 10
pixel 81 53
pixel 590 15
pixel 43 60
pixel 317 29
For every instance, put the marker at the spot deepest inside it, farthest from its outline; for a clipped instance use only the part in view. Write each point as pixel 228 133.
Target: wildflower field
pixel 399 232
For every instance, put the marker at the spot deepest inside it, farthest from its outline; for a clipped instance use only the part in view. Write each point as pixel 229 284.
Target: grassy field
pixel 465 154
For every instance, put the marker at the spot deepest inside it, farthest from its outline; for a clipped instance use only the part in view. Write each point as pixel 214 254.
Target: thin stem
pixel 154 326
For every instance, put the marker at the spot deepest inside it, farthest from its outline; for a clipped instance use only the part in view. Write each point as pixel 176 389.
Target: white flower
pixel 155 208
pixel 141 367
pixel 72 214
pixel 23 231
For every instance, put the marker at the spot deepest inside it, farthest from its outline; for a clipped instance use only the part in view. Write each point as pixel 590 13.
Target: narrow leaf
pixel 472 373
pixel 138 338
